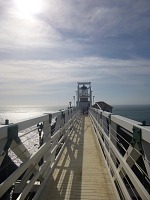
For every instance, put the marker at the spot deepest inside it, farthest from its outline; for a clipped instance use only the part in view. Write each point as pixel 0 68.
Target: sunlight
pixel 29 7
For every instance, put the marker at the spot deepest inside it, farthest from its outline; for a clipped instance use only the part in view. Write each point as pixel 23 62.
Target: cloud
pixel 31 77
pixel 99 18
pixel 70 23
pixel 20 33
pixel 105 42
pixel 33 38
pixel 75 29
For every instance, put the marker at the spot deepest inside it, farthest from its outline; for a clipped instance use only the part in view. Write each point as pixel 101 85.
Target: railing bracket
pixel 137 138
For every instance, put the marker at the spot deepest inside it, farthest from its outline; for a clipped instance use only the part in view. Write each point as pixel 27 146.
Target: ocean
pixel 22 112
pixel 136 112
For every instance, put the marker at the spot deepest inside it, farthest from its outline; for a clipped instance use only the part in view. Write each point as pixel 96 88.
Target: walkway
pixel 81 172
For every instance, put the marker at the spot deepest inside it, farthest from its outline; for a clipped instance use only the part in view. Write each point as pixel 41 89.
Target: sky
pixel 47 46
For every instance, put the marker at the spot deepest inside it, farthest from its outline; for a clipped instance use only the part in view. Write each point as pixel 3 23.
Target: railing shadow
pixel 65 183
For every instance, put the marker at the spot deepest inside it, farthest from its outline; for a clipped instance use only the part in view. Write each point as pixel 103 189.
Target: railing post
pixel 47 132
pixel 47 128
pixel 12 135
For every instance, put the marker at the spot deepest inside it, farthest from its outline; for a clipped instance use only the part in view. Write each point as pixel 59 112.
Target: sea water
pixel 136 112
pixel 17 113
pixel 21 112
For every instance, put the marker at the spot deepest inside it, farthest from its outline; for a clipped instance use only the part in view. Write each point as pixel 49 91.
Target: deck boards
pixel 81 173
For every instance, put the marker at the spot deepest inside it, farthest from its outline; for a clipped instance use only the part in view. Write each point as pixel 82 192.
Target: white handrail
pixel 107 134
pixel 51 144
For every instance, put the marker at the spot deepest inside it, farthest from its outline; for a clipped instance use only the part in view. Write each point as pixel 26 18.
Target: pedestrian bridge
pixel 68 155
pixel 81 172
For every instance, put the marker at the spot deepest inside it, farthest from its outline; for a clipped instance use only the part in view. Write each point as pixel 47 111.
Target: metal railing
pixel 125 145
pixel 29 151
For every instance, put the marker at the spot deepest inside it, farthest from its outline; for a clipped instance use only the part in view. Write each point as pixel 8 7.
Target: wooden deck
pixel 81 172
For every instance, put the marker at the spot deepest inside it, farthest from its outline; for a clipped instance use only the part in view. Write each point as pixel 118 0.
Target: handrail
pixel 17 142
pixel 125 144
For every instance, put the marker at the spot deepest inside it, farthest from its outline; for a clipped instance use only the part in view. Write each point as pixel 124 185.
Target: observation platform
pixel 81 172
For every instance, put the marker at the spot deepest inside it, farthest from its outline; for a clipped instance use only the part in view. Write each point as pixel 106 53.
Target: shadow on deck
pixel 65 183
pixel 79 174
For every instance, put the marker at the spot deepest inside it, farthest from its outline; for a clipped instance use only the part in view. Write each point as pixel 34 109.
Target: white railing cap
pixel 129 123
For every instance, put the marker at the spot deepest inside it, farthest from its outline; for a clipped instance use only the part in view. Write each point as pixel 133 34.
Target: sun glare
pixel 28 7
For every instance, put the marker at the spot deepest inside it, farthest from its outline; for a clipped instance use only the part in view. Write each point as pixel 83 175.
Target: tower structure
pixel 84 95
